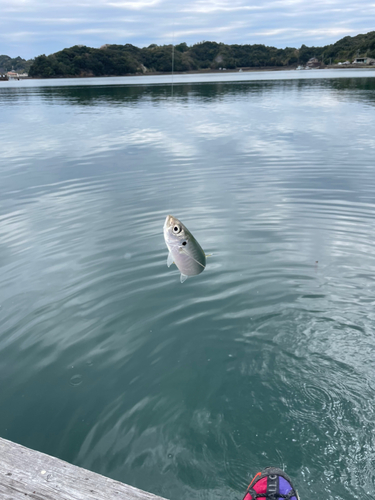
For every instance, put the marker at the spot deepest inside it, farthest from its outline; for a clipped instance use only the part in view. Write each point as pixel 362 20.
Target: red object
pixel 259 487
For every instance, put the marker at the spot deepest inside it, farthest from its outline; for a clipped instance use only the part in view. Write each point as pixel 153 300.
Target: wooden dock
pixel 26 473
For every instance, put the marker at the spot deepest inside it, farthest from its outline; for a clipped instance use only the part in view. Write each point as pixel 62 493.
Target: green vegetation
pixel 83 61
pixel 349 48
pixel 117 60
pixel 18 64
pixel 111 60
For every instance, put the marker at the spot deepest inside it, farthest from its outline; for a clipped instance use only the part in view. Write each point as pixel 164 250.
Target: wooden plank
pixel 26 473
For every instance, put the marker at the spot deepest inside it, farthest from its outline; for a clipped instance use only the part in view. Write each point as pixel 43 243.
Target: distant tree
pixel 182 47
pixel 204 53
pixel 42 67
pixel 17 64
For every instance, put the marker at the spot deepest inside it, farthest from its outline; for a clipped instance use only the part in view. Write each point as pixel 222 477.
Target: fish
pixel 184 250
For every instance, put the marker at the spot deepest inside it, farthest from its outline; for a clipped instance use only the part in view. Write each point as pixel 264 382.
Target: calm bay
pixel 267 358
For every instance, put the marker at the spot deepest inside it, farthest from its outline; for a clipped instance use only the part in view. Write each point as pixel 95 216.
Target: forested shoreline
pixel 119 60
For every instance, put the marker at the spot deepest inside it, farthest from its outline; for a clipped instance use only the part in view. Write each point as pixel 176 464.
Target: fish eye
pixel 176 229
pixel 184 243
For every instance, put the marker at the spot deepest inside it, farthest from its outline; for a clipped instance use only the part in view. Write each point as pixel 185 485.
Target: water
pixel 267 358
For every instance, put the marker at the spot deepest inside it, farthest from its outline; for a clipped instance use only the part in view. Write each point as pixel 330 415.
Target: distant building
pixel 13 75
pixel 364 60
pixel 313 63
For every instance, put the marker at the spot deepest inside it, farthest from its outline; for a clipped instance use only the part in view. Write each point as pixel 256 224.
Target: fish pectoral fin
pixel 170 259
pixel 183 277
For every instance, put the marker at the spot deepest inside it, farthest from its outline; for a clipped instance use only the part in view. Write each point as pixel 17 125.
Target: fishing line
pixel 172 82
pixel 172 54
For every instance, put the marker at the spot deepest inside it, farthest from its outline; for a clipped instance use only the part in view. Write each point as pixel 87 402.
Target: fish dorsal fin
pixel 183 277
pixel 170 259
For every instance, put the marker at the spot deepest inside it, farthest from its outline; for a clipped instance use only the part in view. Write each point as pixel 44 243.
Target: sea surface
pixel 187 390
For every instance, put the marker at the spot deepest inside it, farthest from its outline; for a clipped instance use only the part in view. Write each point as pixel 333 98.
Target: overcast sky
pixel 29 28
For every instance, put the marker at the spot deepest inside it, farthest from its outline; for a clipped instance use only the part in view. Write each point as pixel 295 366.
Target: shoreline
pixel 163 73
pixel 211 71
pixel 262 69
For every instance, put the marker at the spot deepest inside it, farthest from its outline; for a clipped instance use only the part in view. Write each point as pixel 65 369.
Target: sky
pixel 29 28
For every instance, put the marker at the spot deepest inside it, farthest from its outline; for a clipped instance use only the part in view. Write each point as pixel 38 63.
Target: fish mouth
pixel 168 221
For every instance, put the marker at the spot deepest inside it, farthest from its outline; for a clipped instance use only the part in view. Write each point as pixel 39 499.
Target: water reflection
pixel 118 95
pixel 109 362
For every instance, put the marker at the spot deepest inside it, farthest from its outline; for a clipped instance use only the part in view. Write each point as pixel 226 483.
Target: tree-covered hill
pixel 117 60
pixel 351 47
pixel 112 60
pixel 17 63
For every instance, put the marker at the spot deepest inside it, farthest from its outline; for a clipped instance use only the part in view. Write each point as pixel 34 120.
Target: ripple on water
pixel 265 358
pixel 76 380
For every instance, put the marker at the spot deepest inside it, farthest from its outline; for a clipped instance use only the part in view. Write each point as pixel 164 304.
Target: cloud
pixel 31 27
pixel 19 35
pixel 201 31
pixel 296 33
pixel 135 5
pixel 213 6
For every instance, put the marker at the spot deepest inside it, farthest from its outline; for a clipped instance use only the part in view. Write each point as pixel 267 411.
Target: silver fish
pixel 184 250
